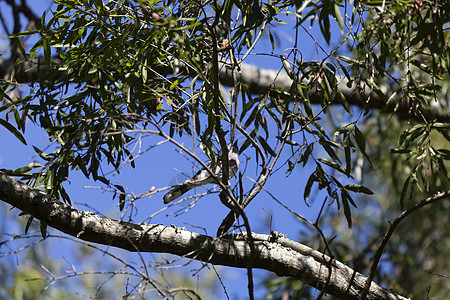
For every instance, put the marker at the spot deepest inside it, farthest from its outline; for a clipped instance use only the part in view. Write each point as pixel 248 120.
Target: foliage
pixel 111 88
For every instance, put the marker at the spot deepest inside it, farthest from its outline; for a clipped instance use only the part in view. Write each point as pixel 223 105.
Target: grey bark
pixel 260 80
pixel 273 253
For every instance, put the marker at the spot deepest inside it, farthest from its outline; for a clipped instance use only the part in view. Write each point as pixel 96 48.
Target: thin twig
pixel 387 236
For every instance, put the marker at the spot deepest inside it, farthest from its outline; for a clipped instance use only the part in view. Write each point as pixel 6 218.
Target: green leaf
pixel 333 165
pixel 400 151
pixel 361 142
pixel 289 142
pixel 347 152
pixel 247 142
pixel 21 171
pixel 444 152
pixel 358 189
pixel 102 179
pixel 24 33
pixel 441 125
pixel 286 65
pixel 272 40
pixel 47 51
pixel 305 155
pixel 21 48
pixel 312 178
pixel 337 14
pixel 347 212
pixel 225 10
pixel 321 130
pixel 291 167
pixel 185 28
pixel 404 191
pixel 13 130
pixel 174 84
pixel 266 146
pixel 251 118
pixel 41 154
pixel 122 196
pixel 390 100
pixel 43 228
pixel 144 72
pixel 341 98
pixel 324 24
pixel 350 61
pixel 6 104
pixel 308 109
pixel 29 222
pixel 378 91
pixel 130 157
pixel 326 145
pixel 64 195
pixel 350 199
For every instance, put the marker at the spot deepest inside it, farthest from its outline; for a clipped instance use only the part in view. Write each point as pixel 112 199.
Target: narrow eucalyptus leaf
pixel 347 211
pixel 29 222
pixel 13 130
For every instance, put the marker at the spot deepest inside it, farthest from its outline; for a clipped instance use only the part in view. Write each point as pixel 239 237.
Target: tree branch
pixel 273 253
pixel 387 236
pixel 260 80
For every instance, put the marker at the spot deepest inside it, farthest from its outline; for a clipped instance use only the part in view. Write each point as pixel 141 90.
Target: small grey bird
pixel 203 177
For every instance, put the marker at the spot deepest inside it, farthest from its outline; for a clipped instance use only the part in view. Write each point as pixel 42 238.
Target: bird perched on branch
pixel 203 177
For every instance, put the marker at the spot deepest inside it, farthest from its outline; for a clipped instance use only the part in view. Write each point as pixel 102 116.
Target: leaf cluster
pixel 123 67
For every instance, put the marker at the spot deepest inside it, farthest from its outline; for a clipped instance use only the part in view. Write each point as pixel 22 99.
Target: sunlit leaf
pixel 23 170
pixel 338 16
pixel 47 50
pixel 333 165
pixel 358 189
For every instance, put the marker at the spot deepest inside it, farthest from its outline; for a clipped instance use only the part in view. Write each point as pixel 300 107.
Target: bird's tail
pixel 176 192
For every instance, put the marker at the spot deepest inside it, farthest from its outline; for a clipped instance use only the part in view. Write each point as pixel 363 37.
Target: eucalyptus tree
pixel 105 77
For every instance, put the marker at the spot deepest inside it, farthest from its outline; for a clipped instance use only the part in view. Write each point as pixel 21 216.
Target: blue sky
pixel 156 168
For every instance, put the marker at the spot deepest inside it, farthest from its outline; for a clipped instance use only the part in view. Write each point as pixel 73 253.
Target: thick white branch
pixel 277 254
